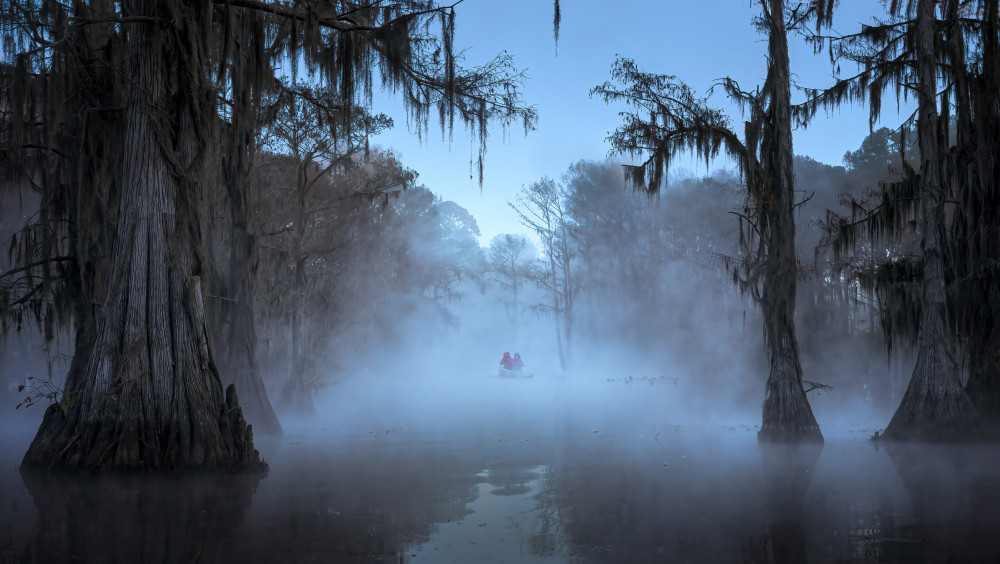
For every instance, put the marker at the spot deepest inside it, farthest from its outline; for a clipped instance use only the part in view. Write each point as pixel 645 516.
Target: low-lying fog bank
pixel 437 467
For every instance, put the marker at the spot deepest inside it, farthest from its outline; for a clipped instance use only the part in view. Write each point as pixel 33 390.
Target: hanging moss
pixel 98 88
pixel 950 205
pixel 668 120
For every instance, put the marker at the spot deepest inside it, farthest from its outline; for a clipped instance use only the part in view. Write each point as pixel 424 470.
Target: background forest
pixel 366 266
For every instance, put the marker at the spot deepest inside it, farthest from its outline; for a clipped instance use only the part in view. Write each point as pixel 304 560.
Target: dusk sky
pixel 663 36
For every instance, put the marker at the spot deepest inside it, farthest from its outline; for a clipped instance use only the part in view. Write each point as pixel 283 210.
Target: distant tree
pixel 541 208
pixel 669 119
pixel 613 232
pixel 308 127
pixel 454 247
pixel 877 152
pixel 417 256
pixel 507 264
pixel 461 251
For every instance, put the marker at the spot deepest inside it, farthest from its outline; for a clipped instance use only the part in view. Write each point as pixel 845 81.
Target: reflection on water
pixel 506 523
pixel 525 496
pixel 135 519
pixel 788 470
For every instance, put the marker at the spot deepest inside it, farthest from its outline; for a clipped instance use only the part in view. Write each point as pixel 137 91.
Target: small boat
pixel 508 373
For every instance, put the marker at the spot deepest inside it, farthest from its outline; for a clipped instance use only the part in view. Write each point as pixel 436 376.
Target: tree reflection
pixel 364 501
pixel 788 469
pixel 135 518
pixel 955 498
pixel 510 481
pixel 684 501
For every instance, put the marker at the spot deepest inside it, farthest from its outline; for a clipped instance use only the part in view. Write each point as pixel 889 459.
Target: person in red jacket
pixel 507 362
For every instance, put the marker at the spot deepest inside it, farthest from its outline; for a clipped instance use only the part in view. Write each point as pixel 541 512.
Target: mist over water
pixel 435 463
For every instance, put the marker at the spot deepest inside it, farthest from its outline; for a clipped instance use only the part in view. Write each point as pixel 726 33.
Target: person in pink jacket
pixel 507 362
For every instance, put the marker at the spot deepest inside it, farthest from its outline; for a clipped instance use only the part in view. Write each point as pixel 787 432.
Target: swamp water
pixel 522 471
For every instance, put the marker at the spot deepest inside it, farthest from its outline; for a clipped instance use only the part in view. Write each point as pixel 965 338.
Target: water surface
pixel 518 471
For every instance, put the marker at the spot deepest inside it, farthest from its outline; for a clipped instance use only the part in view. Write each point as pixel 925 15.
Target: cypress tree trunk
pixel 297 394
pixel 93 233
pixel 787 415
pixel 934 406
pixel 149 395
pixel 239 365
pixel 983 386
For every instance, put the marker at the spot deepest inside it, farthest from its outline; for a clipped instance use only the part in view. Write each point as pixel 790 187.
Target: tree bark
pixel 934 406
pixel 150 395
pixel 983 385
pixel 235 317
pixel 787 415
pixel 297 394
pixel 983 138
pixel 239 365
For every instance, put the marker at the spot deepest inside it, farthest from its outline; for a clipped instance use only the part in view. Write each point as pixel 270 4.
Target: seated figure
pixel 507 362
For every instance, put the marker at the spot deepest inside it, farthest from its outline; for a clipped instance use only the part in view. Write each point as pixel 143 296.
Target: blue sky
pixel 698 41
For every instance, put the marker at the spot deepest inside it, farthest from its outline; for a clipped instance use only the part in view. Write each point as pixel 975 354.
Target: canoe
pixel 506 373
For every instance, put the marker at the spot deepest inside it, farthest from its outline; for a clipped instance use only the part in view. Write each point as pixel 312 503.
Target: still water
pixel 522 471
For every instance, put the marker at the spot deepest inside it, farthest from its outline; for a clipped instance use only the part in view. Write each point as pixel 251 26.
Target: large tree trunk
pixel 150 395
pixel 297 396
pixel 232 317
pixel 787 415
pixel 934 406
pixel 239 364
pixel 983 385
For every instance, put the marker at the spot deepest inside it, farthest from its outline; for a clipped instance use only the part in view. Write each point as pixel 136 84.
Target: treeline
pixel 343 265
pixel 635 279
